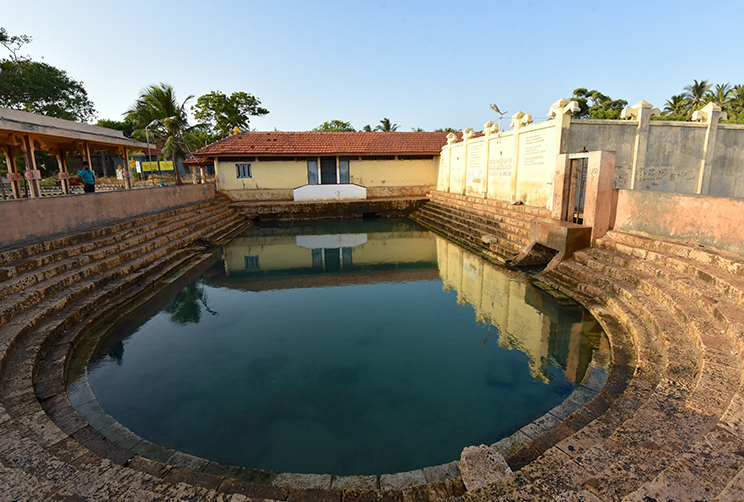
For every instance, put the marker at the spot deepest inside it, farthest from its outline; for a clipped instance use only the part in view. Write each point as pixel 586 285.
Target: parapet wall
pixel 698 157
pixel 711 221
pixel 26 220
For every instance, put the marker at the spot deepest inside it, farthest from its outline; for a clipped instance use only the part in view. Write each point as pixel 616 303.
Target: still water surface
pixel 343 348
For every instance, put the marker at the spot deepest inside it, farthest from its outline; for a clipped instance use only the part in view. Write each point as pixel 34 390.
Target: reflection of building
pixel 551 331
pixel 331 253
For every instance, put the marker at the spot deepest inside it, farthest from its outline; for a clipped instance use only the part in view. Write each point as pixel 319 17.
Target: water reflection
pixel 264 361
pixel 329 254
pixel 552 330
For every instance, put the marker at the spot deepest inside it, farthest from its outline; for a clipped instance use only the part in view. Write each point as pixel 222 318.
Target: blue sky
pixel 422 64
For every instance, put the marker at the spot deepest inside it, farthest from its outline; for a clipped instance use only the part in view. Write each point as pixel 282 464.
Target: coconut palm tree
pixel 386 126
pixel 677 107
pixel 721 95
pixel 166 120
pixel 695 94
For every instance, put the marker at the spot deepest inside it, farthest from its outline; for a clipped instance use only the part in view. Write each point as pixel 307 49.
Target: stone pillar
pixel 561 112
pixel 642 112
pixel 451 140
pixel 124 154
pixel 33 175
pixel 562 206
pixel 13 175
pixel 467 135
pixel 598 197
pixel 516 124
pixel 489 128
pixel 711 114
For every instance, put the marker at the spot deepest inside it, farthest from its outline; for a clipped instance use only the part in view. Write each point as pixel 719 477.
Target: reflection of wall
pixel 282 252
pixel 527 320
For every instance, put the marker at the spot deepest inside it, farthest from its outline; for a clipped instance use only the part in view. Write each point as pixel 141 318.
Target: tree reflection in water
pixel 185 307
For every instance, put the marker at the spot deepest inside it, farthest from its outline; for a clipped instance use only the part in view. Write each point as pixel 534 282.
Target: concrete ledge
pixel 321 193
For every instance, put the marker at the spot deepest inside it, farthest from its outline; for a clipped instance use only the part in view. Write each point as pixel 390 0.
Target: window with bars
pixel 243 171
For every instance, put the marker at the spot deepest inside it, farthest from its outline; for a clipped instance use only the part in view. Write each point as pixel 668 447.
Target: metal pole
pixel 149 161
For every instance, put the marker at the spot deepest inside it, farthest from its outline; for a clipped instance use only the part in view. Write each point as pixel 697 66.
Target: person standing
pixel 88 177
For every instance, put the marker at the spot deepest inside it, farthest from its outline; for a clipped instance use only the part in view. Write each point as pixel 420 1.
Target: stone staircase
pixel 669 422
pixel 466 220
pixel 50 293
pixel 667 425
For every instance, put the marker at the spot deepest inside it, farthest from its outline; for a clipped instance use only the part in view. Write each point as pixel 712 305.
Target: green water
pixel 340 362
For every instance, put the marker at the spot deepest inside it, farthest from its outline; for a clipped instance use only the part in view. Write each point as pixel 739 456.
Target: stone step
pixel 497 252
pixel 729 262
pixel 721 371
pixel 137 258
pixel 473 230
pixel 100 260
pixel 23 253
pixel 33 270
pixel 527 212
pixel 724 275
pixel 486 213
pixel 482 223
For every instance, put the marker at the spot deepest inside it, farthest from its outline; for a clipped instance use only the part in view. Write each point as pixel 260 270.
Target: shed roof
pixel 20 122
pixel 326 143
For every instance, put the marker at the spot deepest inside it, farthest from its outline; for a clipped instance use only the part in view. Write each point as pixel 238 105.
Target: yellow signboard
pixel 152 167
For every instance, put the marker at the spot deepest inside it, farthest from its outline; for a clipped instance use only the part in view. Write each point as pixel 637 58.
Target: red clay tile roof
pixel 326 143
pixel 198 161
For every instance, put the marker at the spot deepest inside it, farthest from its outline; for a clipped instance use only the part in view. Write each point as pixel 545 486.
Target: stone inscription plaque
pixel 534 152
pixel 500 166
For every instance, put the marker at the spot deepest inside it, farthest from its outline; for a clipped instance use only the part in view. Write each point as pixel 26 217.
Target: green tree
pixel 166 120
pixel 13 43
pixel 223 113
pixel 417 129
pixel 696 93
pixel 335 126
pixel 736 105
pixel 367 128
pixel 117 125
pixel 386 126
pixel 720 95
pixel 446 129
pixel 596 105
pixel 38 87
pixel 676 108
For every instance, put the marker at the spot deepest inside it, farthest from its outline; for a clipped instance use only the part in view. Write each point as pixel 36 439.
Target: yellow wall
pixel 275 180
pixel 266 175
pixel 371 173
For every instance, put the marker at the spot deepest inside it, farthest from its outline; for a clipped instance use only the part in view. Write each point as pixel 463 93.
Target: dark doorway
pixel 328 170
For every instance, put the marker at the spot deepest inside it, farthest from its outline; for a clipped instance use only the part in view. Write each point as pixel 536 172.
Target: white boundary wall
pixel 700 157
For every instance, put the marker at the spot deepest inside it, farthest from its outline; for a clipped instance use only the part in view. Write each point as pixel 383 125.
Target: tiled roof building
pixel 324 165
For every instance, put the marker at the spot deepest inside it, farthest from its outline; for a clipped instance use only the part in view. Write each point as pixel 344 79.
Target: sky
pixel 428 64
